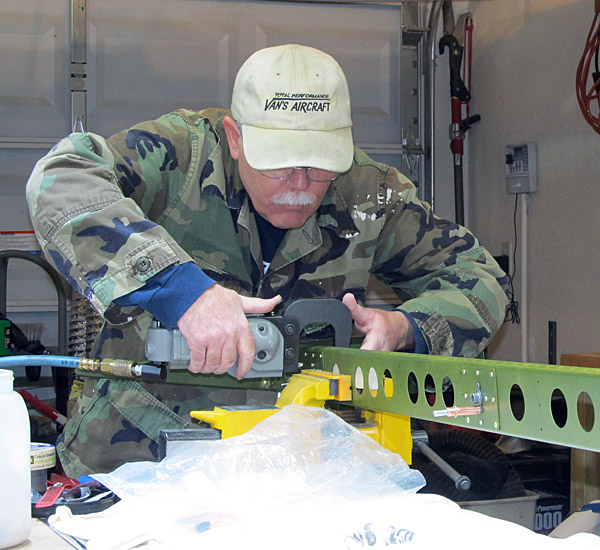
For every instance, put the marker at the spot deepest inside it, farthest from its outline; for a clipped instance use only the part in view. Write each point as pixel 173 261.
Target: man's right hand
pixel 218 333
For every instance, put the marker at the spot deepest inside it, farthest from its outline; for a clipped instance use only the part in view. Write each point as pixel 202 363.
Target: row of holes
pixel 558 403
pixel 558 407
pixel 413 386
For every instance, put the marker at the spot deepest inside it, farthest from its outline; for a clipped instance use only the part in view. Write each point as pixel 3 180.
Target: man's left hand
pixel 383 330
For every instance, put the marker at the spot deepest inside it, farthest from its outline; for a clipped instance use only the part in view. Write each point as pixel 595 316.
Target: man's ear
pixel 233 136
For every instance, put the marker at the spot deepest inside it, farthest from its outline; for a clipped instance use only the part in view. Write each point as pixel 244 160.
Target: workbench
pixel 42 538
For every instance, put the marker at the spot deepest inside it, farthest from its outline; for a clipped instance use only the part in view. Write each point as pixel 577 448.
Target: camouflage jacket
pixel 111 213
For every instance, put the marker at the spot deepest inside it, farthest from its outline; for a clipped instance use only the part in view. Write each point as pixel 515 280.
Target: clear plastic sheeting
pixel 296 454
pixel 302 479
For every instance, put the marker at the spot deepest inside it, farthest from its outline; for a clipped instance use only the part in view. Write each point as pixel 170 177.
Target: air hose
pixel 115 367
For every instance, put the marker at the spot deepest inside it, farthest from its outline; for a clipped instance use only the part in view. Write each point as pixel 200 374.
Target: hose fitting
pixel 123 368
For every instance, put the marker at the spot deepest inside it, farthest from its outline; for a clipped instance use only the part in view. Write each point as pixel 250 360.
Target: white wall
pixel 525 55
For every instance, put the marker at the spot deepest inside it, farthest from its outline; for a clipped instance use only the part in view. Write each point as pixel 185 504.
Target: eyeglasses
pixel 313 174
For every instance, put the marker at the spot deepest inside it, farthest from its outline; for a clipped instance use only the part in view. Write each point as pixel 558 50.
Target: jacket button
pixel 143 264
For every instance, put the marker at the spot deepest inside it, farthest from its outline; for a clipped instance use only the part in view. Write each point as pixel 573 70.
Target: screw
pixel 290 329
pixel 290 353
pixel 261 354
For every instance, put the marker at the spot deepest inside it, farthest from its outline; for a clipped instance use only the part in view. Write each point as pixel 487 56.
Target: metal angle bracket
pixel 532 401
pixel 409 384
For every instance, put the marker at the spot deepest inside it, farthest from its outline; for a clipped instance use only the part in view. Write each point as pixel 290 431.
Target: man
pixel 199 218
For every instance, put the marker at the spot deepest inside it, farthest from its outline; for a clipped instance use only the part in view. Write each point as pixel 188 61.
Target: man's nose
pixel 299 179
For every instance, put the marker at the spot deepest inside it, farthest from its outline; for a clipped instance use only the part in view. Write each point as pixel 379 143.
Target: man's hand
pixel 383 330
pixel 217 331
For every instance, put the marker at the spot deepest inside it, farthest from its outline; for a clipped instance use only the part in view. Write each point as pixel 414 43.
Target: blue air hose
pixel 114 367
pixel 12 361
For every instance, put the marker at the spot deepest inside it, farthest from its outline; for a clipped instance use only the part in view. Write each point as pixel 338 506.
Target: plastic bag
pixel 299 454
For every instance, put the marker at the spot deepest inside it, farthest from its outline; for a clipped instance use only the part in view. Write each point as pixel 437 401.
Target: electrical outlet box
pixel 521 168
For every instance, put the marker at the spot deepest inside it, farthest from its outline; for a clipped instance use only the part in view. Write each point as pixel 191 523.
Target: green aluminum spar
pixel 548 403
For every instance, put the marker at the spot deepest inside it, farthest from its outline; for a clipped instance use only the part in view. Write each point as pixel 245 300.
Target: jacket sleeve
pixel 448 281
pixel 94 205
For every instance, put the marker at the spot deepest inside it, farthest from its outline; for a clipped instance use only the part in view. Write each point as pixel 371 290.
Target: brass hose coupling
pixel 123 368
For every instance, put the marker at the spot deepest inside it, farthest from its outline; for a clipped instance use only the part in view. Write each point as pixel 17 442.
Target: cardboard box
pixel 551 510
pixel 520 510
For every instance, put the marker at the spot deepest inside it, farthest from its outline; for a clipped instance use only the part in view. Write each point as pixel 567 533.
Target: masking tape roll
pixel 43 456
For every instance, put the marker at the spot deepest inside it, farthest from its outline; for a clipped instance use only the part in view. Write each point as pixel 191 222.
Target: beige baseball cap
pixel 294 106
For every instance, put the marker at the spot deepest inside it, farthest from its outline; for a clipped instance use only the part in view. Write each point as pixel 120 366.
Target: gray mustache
pixel 295 198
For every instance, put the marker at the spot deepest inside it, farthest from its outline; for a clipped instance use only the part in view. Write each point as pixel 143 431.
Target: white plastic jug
pixel 15 506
